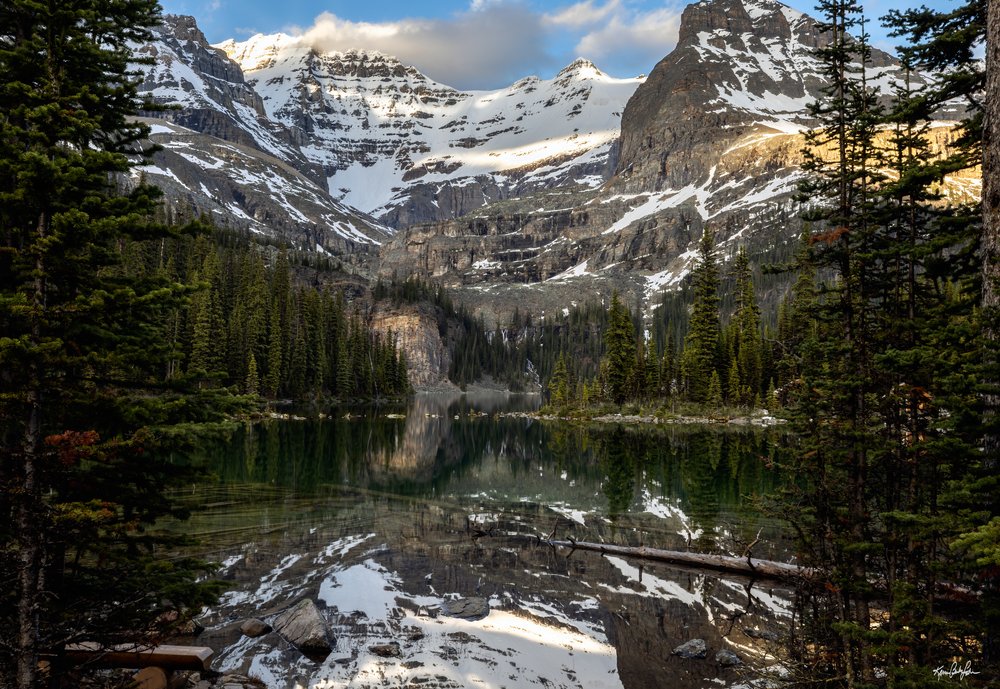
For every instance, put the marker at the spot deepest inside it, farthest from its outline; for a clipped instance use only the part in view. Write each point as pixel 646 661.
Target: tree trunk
pixel 761 569
pixel 990 250
pixel 990 244
pixel 29 540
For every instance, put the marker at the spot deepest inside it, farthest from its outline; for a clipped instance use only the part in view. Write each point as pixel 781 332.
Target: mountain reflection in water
pixel 381 514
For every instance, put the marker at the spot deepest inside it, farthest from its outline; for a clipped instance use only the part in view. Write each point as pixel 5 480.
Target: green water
pixel 463 452
pixel 453 496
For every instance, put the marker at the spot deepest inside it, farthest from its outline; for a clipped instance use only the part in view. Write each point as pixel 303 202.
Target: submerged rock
pixel 466 608
pixel 254 628
pixel 303 627
pixel 695 648
pixel 727 658
pixel 761 634
pixel 390 650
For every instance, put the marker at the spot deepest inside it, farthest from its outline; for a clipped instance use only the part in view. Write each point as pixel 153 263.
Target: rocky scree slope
pixel 712 138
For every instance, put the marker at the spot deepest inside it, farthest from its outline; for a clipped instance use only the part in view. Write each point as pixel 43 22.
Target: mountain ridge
pixel 527 197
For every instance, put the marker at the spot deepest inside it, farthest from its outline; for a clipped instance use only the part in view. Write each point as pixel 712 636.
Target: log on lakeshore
pixel 747 566
pixel 164 656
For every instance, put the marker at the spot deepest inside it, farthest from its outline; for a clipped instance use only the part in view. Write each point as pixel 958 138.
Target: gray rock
pixel 254 627
pixel 727 658
pixel 390 650
pixel 466 608
pixel 695 648
pixel 303 627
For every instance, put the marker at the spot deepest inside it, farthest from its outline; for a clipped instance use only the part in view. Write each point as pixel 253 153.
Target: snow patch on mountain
pixel 377 126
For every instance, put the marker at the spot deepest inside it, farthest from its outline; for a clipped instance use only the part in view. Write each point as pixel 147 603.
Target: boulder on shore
pixel 304 627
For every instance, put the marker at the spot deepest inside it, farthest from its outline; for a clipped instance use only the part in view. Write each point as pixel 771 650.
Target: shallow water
pixel 380 515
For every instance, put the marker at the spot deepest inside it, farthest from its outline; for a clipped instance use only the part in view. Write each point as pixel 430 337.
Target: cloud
pixel 490 45
pixel 493 43
pixel 583 14
pixel 640 38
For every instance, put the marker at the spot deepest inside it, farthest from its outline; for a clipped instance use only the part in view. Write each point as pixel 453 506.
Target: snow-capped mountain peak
pixel 395 143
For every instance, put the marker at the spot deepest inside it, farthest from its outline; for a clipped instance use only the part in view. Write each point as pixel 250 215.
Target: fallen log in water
pixel 747 566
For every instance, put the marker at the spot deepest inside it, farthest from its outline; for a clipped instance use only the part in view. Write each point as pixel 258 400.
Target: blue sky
pixel 480 43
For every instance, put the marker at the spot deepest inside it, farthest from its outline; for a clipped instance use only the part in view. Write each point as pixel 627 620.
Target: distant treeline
pixel 253 326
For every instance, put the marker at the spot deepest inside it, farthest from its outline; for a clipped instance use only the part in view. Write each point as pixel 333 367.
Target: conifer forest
pixel 131 340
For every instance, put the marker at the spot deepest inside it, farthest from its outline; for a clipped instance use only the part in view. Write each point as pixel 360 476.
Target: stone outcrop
pixel 737 64
pixel 254 628
pixel 474 608
pixel 420 331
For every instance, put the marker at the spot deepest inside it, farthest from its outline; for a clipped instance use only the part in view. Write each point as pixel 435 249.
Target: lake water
pixel 380 515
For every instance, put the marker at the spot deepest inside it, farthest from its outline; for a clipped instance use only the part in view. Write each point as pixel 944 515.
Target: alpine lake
pixel 381 515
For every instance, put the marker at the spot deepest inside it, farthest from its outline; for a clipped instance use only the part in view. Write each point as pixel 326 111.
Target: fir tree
pixel 559 383
pixel 700 357
pixel 84 342
pixel 620 351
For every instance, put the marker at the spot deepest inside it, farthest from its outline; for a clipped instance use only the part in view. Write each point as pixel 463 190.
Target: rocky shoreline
pixel 760 418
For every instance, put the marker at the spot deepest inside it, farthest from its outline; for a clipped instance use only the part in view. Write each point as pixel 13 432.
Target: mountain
pixel 407 149
pixel 223 157
pixel 276 138
pixel 712 138
pixel 533 197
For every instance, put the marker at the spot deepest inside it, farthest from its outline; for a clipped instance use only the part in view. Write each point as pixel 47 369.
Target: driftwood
pixel 164 656
pixel 746 566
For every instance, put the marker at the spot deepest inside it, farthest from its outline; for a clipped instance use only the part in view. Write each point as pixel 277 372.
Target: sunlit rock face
pixel 421 333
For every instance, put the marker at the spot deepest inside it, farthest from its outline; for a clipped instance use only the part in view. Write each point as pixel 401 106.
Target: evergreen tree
pixel 252 385
pixel 84 343
pixel 947 43
pixel 620 351
pixel 746 338
pixel 559 383
pixel 700 357
pixel 873 388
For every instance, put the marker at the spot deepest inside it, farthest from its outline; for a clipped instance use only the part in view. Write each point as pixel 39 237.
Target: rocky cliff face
pixel 739 66
pixel 712 139
pixel 223 157
pixel 418 332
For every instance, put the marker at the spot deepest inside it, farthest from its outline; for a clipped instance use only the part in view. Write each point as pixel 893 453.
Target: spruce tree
pixel 873 388
pixel 747 345
pixel 620 351
pixel 84 343
pixel 700 356
pixel 559 383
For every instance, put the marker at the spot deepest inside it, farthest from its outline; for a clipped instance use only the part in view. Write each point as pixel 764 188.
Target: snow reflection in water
pixel 381 520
